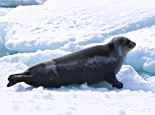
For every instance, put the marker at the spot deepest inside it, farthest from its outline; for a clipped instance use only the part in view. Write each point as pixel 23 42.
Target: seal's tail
pixel 13 79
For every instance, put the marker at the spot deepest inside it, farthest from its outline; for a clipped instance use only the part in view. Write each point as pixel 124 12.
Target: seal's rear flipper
pixel 13 79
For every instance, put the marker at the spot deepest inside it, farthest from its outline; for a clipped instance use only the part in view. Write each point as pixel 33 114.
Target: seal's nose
pixel 132 44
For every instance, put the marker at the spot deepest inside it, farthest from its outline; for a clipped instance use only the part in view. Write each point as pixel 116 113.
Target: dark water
pixel 14 5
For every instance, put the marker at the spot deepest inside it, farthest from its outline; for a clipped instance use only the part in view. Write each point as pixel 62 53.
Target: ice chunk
pixel 14 3
pixel 132 80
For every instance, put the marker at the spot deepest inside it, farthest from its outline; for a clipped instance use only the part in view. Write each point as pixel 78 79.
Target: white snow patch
pixel 132 80
pixel 142 57
pixel 30 59
pixel 122 112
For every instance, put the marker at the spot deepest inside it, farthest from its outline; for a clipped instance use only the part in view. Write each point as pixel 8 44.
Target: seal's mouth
pixel 132 45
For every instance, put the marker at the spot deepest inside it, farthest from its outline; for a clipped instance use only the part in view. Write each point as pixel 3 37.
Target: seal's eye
pixel 121 41
pixel 128 42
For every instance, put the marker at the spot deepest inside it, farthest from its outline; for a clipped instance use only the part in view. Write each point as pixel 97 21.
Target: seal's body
pixel 91 65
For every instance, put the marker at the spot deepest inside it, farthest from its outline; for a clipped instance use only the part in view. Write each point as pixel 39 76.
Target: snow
pixel 32 33
pixel 30 59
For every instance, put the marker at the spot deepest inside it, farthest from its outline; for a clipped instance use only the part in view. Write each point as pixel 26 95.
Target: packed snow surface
pixel 33 33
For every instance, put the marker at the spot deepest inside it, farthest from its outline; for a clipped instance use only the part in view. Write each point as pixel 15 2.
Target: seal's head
pixel 123 41
pixel 122 44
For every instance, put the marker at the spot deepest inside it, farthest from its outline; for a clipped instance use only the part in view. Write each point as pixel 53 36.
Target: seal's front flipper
pixel 118 85
pixel 114 82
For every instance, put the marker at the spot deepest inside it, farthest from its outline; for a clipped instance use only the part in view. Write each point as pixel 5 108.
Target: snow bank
pixel 132 80
pixel 30 59
pixel 14 3
pixel 4 11
pixel 142 57
pixel 39 100
pixel 151 80
pixel 51 26
pixel 145 59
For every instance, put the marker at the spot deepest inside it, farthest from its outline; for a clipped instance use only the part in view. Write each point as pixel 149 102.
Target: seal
pixel 91 65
